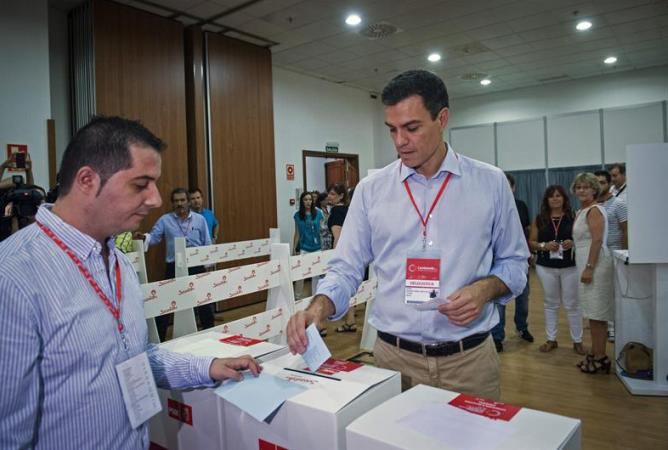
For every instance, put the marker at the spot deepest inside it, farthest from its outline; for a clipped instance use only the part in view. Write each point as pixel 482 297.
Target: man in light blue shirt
pixel 197 205
pixel 72 310
pixel 442 205
pixel 181 222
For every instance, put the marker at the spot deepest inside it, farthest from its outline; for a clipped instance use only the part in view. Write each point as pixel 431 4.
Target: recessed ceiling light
pixel 583 25
pixel 610 60
pixel 353 19
pixel 486 82
pixel 434 57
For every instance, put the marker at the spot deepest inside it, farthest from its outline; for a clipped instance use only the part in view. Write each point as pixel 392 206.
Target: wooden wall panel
pixel 242 139
pixel 196 109
pixel 139 74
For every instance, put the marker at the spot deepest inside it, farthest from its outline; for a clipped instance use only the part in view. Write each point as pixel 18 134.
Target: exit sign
pixel 332 147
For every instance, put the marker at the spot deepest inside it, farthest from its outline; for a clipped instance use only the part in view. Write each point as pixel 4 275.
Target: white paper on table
pixel 316 352
pixel 457 428
pixel 210 345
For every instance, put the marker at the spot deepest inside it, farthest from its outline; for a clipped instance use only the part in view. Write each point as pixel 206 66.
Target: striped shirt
pixel 59 345
pixel 615 208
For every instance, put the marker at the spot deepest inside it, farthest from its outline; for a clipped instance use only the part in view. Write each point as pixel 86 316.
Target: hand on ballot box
pixel 230 368
pixel 320 308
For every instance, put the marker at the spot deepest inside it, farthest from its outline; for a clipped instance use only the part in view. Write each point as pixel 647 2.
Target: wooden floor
pixel 611 417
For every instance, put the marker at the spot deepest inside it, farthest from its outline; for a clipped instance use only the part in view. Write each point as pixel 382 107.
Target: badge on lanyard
pixel 140 393
pixel 559 253
pixel 423 262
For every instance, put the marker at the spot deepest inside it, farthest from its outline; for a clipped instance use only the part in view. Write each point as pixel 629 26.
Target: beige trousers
pixel 473 372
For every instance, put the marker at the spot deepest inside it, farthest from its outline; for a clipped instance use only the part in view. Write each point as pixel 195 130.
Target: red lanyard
pixel 425 220
pixel 116 312
pixel 556 227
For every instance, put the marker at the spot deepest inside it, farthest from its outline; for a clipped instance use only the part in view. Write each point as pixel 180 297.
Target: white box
pixel 379 428
pixel 317 417
pixel 192 419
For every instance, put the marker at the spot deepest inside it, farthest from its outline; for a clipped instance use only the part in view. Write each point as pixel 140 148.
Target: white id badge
pixel 423 278
pixel 140 393
pixel 558 254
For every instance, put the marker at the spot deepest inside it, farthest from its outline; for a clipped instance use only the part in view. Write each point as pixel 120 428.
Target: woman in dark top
pixel 338 198
pixel 552 238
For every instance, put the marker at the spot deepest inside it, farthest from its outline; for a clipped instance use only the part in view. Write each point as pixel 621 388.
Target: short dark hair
pixel 417 82
pixel 510 178
pixel 340 189
pixel 104 145
pixel 619 166
pixel 196 190
pixel 179 190
pixel 603 173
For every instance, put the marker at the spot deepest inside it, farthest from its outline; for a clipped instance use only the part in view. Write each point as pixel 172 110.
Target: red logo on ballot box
pixel 180 411
pixel 240 340
pixel 486 408
pixel 266 445
pixel 334 366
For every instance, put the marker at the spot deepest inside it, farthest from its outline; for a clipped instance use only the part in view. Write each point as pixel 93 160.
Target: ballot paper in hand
pixel 316 352
pixel 259 396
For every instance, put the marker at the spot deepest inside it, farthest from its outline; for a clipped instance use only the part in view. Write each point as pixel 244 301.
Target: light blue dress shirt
pixel 194 228
pixel 475 229
pixel 59 344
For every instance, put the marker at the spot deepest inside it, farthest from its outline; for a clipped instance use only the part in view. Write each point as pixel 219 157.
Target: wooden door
pixel 335 172
pixel 352 177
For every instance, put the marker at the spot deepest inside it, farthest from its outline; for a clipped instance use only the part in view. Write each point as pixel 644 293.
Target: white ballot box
pixel 317 417
pixel 427 418
pixel 192 419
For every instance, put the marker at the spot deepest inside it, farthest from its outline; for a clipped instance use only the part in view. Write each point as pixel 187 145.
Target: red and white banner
pixel 309 265
pixel 135 259
pixel 264 325
pixel 211 254
pixel 183 293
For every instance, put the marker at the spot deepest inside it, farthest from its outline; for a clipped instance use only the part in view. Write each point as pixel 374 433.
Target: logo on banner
pixel 251 276
pixel 164 282
pixel 226 328
pixel 222 281
pixel 170 309
pixel 278 314
pixel 249 245
pixel 267 329
pixel 251 323
pixel 153 295
pixel 264 285
pixel 233 269
pixel 298 379
pixel 208 298
pixel 190 288
pixel 202 275
pixel 135 260
pixel 214 250
pixel 299 264
pixel 233 247
pixel 180 411
pixel 278 269
pixel 206 258
pixel 237 292
pixel 242 252
pixel 315 261
pixel 308 272
pixel 194 252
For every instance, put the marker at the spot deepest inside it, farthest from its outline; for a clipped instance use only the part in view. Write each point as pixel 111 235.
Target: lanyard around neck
pixel 425 220
pixel 115 311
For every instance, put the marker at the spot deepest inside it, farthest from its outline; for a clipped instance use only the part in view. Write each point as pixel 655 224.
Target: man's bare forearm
pixel 492 287
pixel 322 306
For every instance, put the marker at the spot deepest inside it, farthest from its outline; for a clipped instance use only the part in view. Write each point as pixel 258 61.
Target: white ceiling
pixel 516 43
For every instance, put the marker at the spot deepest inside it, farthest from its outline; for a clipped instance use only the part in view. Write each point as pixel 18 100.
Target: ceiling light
pixel 434 57
pixel 486 82
pixel 353 19
pixel 610 60
pixel 583 26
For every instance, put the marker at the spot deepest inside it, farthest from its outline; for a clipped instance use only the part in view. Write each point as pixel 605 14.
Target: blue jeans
pixel 521 315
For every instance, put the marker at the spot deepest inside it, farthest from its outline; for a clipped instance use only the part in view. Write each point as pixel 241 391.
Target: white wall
pixel 309 112
pixel 316 179
pixel 24 80
pixel 609 91
pixel 59 77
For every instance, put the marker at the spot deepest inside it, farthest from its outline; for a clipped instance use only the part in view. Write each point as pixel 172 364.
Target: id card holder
pixel 558 254
pixel 140 393
pixel 423 278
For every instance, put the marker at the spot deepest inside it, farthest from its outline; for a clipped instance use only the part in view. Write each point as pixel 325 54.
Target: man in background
pixel 522 300
pixel 181 222
pixel 617 217
pixel 618 178
pixel 197 205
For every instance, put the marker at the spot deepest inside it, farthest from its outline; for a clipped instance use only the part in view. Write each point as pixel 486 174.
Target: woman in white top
pixel 594 262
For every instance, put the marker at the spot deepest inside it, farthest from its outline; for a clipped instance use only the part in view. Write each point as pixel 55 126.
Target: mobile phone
pixel 20 159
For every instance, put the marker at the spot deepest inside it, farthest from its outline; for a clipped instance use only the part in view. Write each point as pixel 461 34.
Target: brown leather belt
pixel 438 349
